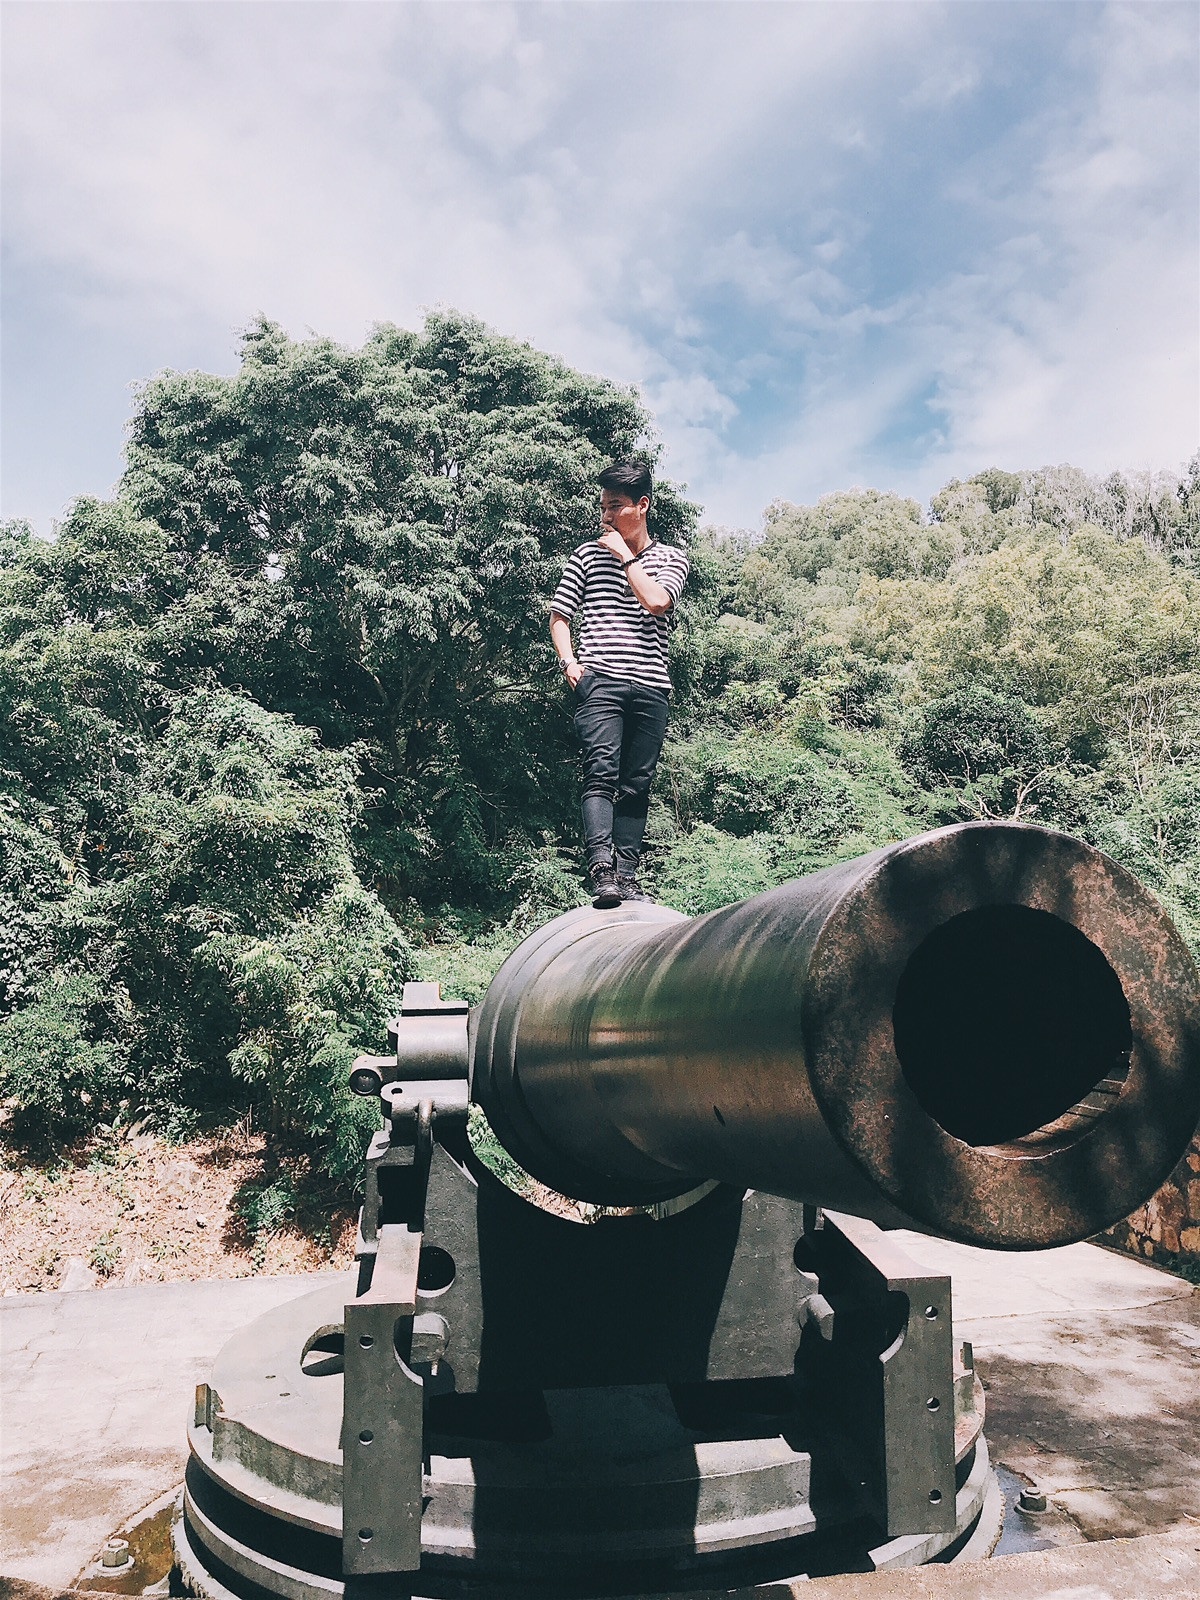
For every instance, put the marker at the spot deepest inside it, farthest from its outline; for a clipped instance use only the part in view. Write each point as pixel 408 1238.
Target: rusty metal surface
pixel 1051 1041
pixel 500 1041
pixel 1090 1158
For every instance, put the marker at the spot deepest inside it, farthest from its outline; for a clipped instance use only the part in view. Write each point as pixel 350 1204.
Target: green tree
pixel 987 747
pixel 371 537
pixel 61 1067
pixel 302 657
pixel 280 726
pixel 224 950
pixel 809 554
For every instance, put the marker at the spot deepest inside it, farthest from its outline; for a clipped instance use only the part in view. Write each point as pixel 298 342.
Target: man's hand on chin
pixel 613 542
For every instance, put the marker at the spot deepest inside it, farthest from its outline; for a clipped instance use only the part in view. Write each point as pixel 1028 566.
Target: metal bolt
pixel 115 1553
pixel 1032 1499
pixel 365 1077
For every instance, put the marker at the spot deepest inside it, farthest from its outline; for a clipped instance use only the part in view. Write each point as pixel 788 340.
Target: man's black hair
pixel 628 477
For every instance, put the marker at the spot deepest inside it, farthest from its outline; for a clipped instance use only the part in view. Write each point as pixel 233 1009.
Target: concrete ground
pixel 1090 1361
pixel 95 1391
pixel 1089 1358
pixel 1164 1566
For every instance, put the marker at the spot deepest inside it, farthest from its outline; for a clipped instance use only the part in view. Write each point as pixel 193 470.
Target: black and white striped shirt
pixel 617 635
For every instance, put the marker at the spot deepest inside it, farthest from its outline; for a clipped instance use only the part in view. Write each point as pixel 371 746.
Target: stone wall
pixel 1167 1228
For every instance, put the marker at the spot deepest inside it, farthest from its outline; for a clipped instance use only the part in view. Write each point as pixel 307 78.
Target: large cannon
pixel 990 1032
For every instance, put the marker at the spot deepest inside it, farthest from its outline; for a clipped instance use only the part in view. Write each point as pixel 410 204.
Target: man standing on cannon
pixel 622 587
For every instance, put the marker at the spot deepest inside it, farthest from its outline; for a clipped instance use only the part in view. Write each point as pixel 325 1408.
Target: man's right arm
pixel 560 634
pixel 568 597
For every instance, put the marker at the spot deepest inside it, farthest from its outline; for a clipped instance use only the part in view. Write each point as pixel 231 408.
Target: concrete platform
pixel 95 1391
pixel 1163 1567
pixel 1090 1359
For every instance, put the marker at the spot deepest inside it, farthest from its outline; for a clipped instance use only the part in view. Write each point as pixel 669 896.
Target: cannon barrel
pixel 991 1032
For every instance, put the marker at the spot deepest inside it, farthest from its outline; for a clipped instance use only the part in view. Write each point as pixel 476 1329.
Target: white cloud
pixel 954 78
pixel 767 275
pixel 1083 341
pixel 825 446
pixel 700 214
pixel 334 165
pixel 1074 338
pixel 694 400
pixel 330 156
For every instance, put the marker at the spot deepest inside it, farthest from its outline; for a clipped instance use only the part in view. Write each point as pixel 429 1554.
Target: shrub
pixel 60 1067
pixel 986 746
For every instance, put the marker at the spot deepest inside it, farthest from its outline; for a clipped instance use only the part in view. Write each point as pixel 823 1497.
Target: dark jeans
pixel 621 726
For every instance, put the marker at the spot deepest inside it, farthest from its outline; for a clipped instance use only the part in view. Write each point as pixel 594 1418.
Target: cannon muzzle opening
pixel 991 1031
pixel 1009 1021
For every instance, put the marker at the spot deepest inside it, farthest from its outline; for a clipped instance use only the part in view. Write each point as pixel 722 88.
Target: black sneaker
pixel 631 889
pixel 605 891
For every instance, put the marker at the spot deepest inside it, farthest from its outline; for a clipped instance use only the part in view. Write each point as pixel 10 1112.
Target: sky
pixel 832 244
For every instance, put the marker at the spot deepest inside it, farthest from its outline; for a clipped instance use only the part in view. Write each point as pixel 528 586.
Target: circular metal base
pixel 584 1492
pixel 226 1575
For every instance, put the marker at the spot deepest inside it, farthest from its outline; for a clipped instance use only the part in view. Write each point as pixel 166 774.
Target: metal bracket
pixel 383 1433
pixel 429 1035
pixel 428 1040
pixel 383 1416
pixel 884 1365
pixel 406 1103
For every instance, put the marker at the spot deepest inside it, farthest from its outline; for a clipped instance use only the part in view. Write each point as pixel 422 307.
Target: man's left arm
pixel 655 597
pixel 672 575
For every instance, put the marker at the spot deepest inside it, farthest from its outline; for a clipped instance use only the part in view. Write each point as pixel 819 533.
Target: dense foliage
pixel 280 726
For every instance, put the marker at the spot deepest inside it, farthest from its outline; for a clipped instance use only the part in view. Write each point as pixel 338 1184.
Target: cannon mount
pixel 724 1389
pixel 740 1378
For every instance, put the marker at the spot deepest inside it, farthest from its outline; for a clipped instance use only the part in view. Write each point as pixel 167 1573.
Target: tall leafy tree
pixel 301 658
pixel 370 537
